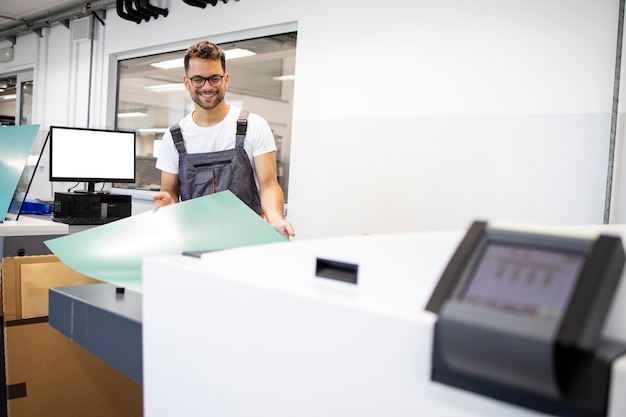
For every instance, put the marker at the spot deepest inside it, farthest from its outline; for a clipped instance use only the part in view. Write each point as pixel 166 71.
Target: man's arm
pixel 169 190
pixel 272 198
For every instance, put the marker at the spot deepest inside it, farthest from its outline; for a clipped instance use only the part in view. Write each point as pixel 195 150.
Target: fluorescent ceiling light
pixel 285 77
pixel 1 90
pixel 179 62
pixel 131 114
pixel 160 88
pixel 9 97
pixel 238 53
pixel 169 64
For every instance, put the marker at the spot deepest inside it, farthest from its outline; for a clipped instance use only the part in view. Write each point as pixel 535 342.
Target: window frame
pixel 114 95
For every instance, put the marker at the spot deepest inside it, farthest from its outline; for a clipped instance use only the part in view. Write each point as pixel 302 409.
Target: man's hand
pixel 284 227
pixel 162 199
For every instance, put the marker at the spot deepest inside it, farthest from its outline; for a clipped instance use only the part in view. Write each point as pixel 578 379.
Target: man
pixel 206 150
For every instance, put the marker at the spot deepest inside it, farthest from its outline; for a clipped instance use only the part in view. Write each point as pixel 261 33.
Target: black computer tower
pixel 91 206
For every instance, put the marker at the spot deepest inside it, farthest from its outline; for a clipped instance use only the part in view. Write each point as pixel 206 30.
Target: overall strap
pixel 177 137
pixel 242 127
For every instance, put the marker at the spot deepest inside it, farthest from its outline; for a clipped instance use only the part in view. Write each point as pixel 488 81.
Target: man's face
pixel 206 96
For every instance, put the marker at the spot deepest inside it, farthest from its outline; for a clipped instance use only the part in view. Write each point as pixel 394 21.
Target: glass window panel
pixel 8 100
pixel 26 103
pixel 151 98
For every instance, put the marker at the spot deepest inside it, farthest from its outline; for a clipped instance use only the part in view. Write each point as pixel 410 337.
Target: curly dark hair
pixel 205 50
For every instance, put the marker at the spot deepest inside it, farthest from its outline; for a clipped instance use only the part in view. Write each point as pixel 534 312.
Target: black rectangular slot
pixel 340 271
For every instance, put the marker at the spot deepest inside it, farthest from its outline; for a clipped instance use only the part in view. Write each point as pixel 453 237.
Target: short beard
pixel 218 100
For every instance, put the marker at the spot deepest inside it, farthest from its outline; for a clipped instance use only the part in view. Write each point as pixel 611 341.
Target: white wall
pixel 408 115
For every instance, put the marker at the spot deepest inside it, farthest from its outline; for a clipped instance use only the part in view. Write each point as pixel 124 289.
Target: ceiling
pixel 16 13
pixel 248 74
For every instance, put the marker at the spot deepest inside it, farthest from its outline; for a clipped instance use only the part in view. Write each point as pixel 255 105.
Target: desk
pixel 32 225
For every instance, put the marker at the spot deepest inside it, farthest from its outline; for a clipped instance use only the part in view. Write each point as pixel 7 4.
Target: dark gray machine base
pixel 585 382
pixel 105 320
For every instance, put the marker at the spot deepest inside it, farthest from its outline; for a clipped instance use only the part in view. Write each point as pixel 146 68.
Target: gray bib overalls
pixel 200 174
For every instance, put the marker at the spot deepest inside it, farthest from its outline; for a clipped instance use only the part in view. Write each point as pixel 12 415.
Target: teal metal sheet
pixel 113 252
pixel 16 143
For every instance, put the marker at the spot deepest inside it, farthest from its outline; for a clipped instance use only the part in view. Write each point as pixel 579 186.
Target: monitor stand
pixel 91 189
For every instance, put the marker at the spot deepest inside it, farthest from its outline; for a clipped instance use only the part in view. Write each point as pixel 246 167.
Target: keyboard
pixel 85 220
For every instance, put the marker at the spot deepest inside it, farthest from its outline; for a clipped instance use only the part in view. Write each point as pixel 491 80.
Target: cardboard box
pixel 26 280
pixel 47 373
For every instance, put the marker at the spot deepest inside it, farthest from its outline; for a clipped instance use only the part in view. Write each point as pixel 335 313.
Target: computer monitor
pixel 92 155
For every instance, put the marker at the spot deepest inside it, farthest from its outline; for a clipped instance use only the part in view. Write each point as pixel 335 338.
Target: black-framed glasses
pixel 214 80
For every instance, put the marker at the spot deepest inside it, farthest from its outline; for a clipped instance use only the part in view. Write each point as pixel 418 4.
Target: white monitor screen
pixel 91 155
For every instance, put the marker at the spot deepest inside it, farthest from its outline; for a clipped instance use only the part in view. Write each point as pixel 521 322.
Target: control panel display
pixel 521 314
pixel 524 279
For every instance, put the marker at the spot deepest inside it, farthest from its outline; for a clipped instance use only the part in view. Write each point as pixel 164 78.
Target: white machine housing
pixel 253 331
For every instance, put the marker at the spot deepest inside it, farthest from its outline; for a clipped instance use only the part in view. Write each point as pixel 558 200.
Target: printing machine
pixel 378 325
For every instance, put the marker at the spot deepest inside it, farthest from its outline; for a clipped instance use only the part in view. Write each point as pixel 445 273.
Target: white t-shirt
pixel 222 136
